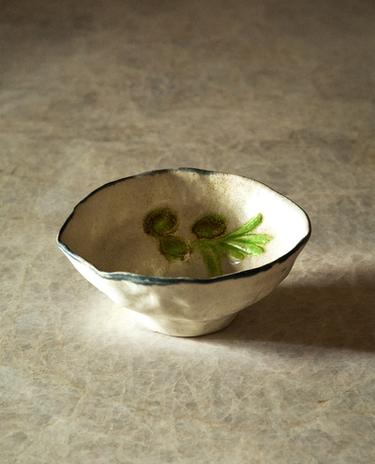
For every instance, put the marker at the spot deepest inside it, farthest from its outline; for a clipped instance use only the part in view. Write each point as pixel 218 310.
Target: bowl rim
pixel 155 280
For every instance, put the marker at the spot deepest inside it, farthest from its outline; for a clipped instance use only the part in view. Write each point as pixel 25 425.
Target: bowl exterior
pixel 188 309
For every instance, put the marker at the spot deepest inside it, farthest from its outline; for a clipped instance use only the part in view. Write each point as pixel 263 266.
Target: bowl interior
pixel 114 230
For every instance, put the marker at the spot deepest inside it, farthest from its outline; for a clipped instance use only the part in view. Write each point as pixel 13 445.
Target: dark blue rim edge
pixel 152 280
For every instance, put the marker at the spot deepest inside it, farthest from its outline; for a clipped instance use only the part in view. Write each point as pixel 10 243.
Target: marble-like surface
pixel 280 91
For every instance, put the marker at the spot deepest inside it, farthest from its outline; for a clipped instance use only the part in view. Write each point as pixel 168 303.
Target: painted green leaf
pixel 258 239
pixel 160 222
pixel 173 247
pixel 212 259
pixel 233 251
pixel 209 226
pixel 238 244
pixel 246 247
pixel 247 227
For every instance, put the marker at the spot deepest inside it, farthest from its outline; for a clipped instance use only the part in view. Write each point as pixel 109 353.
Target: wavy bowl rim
pixel 155 280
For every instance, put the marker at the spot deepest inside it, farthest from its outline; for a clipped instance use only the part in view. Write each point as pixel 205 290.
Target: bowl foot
pixel 182 327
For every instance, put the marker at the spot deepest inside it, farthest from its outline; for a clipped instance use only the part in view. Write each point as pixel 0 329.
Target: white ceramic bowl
pixel 134 239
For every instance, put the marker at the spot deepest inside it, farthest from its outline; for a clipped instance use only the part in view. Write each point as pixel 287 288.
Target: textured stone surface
pixel 280 91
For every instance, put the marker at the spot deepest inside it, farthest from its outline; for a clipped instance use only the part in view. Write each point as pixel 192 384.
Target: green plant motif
pixel 238 244
pixel 212 242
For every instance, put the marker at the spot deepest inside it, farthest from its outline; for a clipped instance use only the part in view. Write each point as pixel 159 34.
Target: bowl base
pixel 181 327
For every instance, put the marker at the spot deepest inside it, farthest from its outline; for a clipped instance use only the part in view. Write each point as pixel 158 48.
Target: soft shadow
pixel 340 315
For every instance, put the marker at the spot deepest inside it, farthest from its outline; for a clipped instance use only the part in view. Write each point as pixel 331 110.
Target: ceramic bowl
pixel 184 250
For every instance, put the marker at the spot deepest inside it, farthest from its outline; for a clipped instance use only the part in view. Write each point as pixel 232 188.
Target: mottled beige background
pixel 282 91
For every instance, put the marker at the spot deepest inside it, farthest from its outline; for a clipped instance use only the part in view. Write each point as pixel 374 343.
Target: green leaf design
pixel 211 242
pixel 237 244
pixel 245 247
pixel 258 239
pixel 212 258
pixel 174 248
pixel 247 227
pixel 232 251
